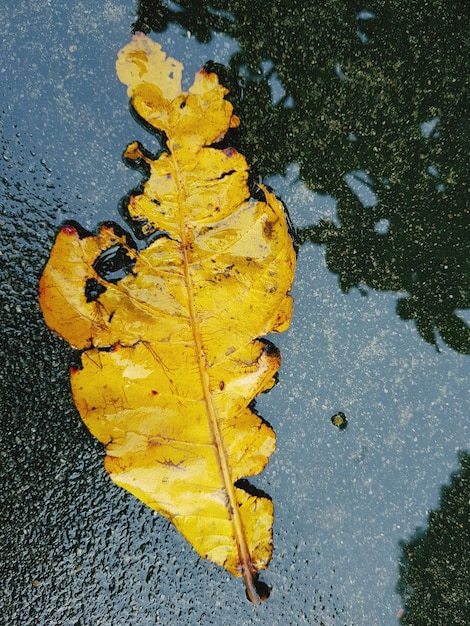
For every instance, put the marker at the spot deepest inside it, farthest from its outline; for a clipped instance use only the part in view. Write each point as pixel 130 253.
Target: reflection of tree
pixel 435 564
pixel 373 101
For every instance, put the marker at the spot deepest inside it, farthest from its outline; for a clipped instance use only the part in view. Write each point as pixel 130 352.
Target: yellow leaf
pixel 172 355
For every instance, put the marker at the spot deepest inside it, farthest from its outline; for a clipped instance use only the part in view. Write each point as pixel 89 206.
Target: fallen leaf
pixel 171 335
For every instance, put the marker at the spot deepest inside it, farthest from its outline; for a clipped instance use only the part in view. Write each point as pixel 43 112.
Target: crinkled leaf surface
pixel 172 355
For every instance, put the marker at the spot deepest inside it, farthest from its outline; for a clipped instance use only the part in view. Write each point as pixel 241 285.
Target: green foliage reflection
pixel 435 564
pixel 373 105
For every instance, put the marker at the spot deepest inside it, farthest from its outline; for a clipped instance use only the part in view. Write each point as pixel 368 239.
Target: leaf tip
pixel 234 121
pixel 68 229
pixel 229 152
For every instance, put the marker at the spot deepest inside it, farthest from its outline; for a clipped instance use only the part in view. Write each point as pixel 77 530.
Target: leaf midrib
pixel 248 570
